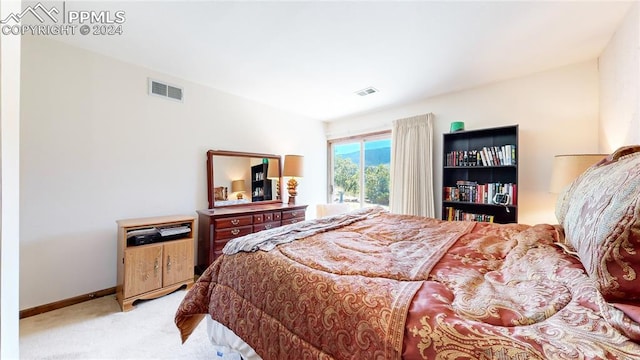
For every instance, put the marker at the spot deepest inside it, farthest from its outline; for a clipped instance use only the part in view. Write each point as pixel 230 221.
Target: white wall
pixel 96 148
pixel 9 186
pixel 557 113
pixel 620 85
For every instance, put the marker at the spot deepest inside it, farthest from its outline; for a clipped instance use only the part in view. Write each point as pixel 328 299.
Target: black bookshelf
pixel 477 165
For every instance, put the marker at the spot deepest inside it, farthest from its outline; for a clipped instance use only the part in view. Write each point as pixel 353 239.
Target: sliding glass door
pixel 359 170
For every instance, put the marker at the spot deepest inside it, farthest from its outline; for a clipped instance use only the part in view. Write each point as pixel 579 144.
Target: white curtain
pixel 412 166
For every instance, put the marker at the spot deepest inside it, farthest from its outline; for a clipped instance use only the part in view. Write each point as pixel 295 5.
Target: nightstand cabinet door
pixel 144 270
pixel 177 262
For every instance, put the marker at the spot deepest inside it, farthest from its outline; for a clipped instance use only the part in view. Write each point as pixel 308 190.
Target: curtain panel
pixel 412 166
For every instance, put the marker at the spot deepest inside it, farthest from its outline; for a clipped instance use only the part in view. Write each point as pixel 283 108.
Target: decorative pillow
pixel 600 214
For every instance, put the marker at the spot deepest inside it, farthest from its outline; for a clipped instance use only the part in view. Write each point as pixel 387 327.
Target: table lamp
pixel 237 186
pixel 293 168
pixel 567 168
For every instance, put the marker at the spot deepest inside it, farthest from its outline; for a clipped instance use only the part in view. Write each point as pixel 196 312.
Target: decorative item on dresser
pixel 218 226
pixel 155 257
pixel 220 193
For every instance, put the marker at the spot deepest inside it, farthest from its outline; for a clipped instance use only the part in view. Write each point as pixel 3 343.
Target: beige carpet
pixel 97 329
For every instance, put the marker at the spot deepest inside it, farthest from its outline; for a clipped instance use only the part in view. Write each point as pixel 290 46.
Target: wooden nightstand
pixel 154 265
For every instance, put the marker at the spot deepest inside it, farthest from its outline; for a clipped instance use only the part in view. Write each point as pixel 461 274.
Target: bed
pixel 369 284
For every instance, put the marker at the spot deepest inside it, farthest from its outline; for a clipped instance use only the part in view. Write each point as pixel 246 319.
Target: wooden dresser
pixel 217 226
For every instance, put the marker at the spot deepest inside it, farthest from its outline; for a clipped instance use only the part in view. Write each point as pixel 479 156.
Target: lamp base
pixel 291 186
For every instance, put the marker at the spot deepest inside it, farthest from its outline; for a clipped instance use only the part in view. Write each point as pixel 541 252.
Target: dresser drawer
pixel 265 226
pixel 292 220
pixel 231 222
pixel 233 232
pixel 219 245
pixel 267 217
pixel 293 214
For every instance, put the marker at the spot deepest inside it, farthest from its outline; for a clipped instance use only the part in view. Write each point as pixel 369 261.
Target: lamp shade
pixel 237 186
pixel 273 171
pixel 567 168
pixel 293 166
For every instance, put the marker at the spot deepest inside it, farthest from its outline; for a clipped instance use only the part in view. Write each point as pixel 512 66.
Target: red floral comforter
pixel 390 286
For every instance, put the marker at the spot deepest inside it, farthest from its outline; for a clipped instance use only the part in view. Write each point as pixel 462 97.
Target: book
pixel 488 156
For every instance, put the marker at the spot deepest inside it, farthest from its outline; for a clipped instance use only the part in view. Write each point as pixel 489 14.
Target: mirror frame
pixel 210 169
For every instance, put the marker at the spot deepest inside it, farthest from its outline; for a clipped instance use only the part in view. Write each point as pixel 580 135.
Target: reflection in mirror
pixel 274 175
pixel 237 178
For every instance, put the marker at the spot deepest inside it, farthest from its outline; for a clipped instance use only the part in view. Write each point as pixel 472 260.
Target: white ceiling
pixel 310 57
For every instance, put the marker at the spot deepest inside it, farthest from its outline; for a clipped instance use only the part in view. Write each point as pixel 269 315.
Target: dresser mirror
pixel 240 178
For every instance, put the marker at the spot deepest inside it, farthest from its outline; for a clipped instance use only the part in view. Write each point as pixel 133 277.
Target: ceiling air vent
pixel 368 91
pixel 165 90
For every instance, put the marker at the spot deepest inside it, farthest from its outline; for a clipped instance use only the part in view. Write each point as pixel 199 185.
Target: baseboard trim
pixel 66 302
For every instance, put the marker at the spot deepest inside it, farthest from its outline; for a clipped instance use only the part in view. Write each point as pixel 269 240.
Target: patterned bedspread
pixel 384 286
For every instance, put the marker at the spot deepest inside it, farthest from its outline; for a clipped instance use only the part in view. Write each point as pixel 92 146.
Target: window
pixel 359 170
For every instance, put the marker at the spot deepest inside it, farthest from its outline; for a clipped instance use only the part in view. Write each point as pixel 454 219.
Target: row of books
pixel 487 156
pixel 452 214
pixel 471 191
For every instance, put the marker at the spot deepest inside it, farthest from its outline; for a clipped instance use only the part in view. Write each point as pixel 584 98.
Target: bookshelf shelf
pixel 480 175
pixel 480 167
pixel 479 204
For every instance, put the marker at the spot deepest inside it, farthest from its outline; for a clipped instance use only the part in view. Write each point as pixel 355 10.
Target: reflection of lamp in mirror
pixel 273 173
pixel 237 186
pixel 567 168
pixel 293 168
